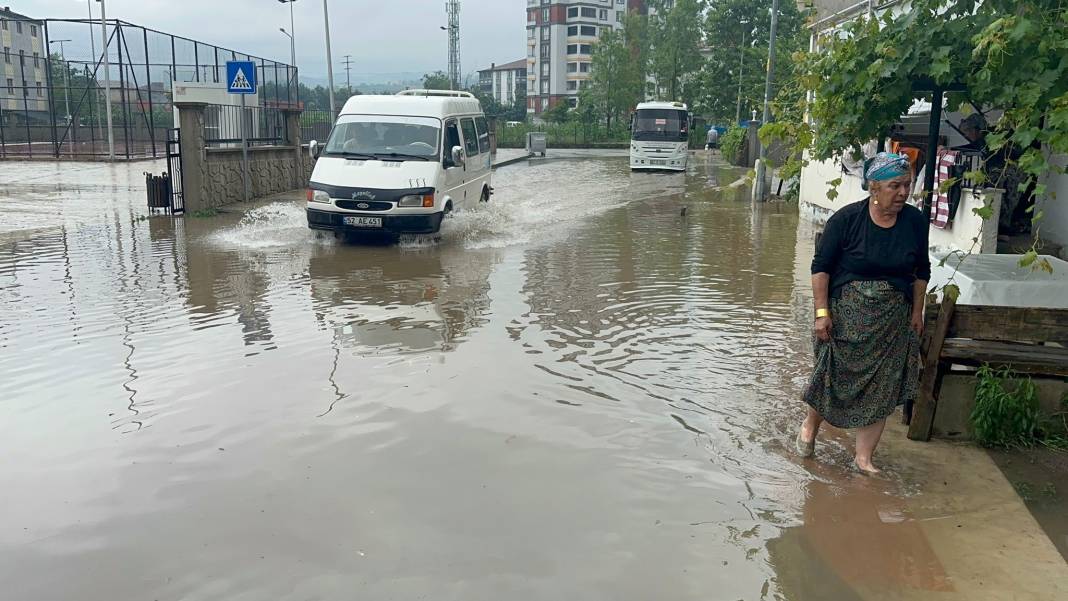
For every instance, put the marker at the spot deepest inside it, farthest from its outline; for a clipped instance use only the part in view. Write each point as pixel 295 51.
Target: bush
pixel 731 143
pixel 561 134
pixel 1004 419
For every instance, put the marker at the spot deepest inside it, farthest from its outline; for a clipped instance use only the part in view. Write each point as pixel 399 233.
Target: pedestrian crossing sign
pixel 240 77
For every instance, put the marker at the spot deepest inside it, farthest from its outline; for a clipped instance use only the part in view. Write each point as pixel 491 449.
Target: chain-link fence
pixel 56 91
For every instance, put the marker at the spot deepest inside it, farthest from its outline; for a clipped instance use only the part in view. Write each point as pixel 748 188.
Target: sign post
pixel 241 80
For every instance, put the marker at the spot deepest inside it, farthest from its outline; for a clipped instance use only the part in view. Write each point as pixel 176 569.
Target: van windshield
pixel 375 136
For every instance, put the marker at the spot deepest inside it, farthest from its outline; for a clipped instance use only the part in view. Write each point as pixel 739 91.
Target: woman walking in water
pixel 869 278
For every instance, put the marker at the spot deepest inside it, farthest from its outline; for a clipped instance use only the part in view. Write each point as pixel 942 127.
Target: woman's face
pixel 892 194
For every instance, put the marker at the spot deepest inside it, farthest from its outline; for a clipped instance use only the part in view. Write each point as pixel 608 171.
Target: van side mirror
pixel 458 156
pixel 314 150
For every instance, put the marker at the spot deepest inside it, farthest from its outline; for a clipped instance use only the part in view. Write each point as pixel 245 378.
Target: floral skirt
pixel 872 362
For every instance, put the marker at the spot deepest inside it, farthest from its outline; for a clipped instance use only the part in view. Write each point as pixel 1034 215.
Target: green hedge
pixel 562 134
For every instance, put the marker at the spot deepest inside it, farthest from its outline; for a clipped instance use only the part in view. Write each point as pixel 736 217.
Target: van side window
pixel 452 138
pixel 470 137
pixel 483 134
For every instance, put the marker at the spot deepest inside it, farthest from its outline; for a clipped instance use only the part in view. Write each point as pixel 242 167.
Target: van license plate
pixel 364 221
pixel 657 162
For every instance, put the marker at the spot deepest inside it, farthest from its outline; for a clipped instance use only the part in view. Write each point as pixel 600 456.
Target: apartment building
pixel 560 39
pixel 23 78
pixel 500 81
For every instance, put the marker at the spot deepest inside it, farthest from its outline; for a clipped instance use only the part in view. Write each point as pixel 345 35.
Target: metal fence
pixel 56 104
pixel 263 126
pixel 316 125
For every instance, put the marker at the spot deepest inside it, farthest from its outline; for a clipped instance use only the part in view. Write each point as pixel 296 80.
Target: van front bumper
pixel 395 224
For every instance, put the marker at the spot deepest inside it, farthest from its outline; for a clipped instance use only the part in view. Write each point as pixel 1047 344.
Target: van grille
pixel 371 205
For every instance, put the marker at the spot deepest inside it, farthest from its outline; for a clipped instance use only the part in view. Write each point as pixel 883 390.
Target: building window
pixel 544 15
pixel 36 60
pixel 619 16
pixel 10 86
pixel 545 69
pixel 40 92
pixel 572 85
pixel 545 86
pixel 572 30
pixel 544 103
pixel 572 48
pixel 584 67
pixel 545 51
pixel 33 30
pixel 545 34
pixel 572 67
pixel 589 12
pixel 7 54
pixel 18 26
pixel 589 30
pixel 585 49
pixel 530 33
pixel 572 12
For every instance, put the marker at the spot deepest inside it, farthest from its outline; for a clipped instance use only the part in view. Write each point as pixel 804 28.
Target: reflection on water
pixel 578 391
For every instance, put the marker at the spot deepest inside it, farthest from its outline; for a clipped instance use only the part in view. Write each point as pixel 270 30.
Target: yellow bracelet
pixel 823 313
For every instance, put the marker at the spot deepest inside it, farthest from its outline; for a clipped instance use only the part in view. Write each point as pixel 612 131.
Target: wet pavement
pixel 578 391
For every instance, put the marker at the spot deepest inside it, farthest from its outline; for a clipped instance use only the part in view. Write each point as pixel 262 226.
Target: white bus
pixel 660 135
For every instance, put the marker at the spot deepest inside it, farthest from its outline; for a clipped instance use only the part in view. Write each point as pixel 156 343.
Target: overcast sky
pixel 383 36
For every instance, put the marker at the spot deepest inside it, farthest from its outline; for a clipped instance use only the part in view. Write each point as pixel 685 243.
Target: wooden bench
pixel 973 335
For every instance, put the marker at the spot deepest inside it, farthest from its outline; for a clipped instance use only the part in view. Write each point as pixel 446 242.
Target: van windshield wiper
pixel 352 155
pixel 401 155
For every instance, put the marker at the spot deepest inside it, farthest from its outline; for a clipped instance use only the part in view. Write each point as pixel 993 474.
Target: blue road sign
pixel 240 77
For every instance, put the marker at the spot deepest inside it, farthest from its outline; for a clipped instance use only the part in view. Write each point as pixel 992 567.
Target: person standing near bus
pixel 712 141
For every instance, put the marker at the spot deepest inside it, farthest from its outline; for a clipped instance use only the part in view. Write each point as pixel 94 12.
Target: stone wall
pixel 272 169
pixel 213 176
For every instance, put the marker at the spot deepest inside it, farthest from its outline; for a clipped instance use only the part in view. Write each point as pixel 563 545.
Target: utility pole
pixel 107 78
pixel 329 58
pixel 66 90
pixel 348 73
pixel 741 67
pixel 759 191
pixel 452 9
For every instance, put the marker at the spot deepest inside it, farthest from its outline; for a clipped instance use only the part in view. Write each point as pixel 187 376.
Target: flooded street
pixel 578 392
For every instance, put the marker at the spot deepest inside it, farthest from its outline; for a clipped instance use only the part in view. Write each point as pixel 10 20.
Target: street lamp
pixel 329 58
pixel 292 32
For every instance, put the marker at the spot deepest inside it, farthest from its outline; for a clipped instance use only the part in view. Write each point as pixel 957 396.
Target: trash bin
pixel 159 190
pixel 537 141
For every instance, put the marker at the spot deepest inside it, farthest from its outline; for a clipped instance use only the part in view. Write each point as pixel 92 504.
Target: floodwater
pixel 578 392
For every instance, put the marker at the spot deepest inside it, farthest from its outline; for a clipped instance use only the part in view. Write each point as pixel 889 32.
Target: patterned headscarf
pixel 884 166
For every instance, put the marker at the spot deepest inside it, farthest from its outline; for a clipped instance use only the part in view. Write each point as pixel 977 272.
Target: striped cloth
pixel 940 207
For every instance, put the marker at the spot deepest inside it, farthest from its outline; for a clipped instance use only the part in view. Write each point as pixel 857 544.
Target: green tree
pixel 727 24
pixel 617 71
pixel 674 42
pixel 561 113
pixel 437 80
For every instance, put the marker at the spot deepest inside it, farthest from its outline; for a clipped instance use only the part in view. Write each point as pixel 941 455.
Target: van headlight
pixel 318 196
pixel 425 201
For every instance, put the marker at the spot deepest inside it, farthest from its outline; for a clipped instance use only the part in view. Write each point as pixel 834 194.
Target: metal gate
pixel 174 167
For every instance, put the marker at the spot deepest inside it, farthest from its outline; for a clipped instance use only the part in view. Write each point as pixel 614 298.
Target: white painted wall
pixel 1054 206
pixel 959 236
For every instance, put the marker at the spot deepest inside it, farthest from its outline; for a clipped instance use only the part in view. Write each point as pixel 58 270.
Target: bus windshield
pixel 664 125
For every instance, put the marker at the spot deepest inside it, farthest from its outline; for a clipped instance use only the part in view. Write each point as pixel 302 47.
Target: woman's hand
pixel 822 328
pixel 917 322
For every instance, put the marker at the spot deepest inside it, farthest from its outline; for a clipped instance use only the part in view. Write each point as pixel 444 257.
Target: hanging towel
pixel 940 208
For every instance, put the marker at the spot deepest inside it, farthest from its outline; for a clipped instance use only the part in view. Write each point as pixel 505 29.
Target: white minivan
pixel 400 163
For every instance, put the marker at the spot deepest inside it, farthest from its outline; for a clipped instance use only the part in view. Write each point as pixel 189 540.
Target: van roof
pixel 661 105
pixel 412 105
